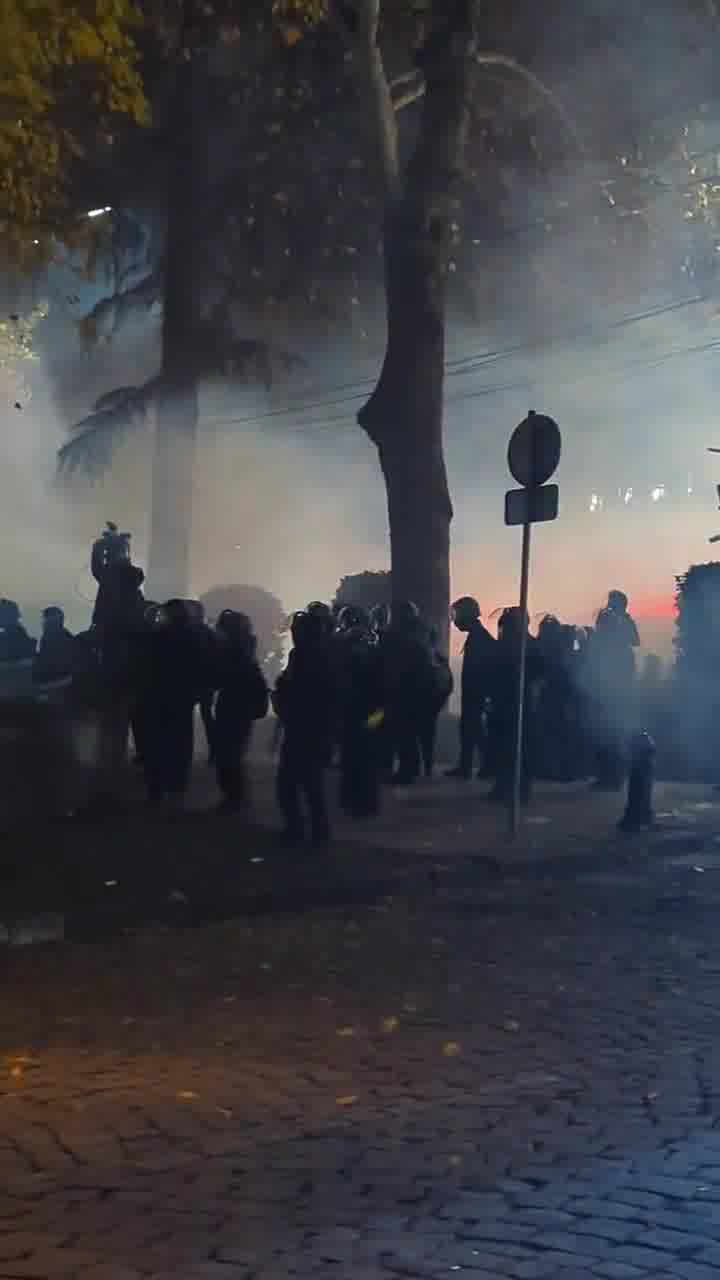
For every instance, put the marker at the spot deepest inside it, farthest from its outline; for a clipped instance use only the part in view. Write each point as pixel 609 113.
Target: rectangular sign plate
pixel 531 506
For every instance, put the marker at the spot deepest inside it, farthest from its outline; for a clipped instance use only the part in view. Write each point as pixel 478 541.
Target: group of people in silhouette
pixel 578 697
pixel 361 692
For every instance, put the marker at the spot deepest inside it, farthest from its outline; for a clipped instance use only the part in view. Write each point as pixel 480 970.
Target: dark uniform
pixel 242 698
pixel 173 673
pixel 558 727
pixel 361 712
pixel 611 668
pixel 407 671
pixel 15 643
pixel 305 702
pixel 504 714
pixel 480 657
pixel 56 657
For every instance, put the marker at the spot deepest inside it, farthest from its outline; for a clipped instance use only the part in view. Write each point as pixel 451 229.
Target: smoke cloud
pixel 612 339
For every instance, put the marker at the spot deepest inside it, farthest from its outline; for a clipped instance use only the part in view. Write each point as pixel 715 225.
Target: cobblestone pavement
pixel 514 1081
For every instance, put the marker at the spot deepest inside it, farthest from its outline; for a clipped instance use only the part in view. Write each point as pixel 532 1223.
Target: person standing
pixel 15 643
pixel 612 678
pixel 361 712
pixel 242 698
pixel 407 674
pixel 117 626
pixel 306 705
pixel 173 674
pixel 480 658
pixel 56 655
pixel 505 707
pixel 207 638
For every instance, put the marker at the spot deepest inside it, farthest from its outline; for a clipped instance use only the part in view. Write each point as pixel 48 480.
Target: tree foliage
pixel 365 589
pixel 293 241
pixel 294 226
pixel 695 686
pixel 294 216
pixel 68 68
pixel 697 637
pixel 16 350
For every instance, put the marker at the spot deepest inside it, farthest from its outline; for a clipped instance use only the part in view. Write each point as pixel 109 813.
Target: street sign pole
pixel 522 664
pixel 533 456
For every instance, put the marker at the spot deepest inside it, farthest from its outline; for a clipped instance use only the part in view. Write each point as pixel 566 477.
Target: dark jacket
pixel 119 601
pixel 242 691
pixel 305 700
pixel 480 663
pixel 56 657
pixel 174 669
pixel 407 667
pixel 15 644
pixel 359 676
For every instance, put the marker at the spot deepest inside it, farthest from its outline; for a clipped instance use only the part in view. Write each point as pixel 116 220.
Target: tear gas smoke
pixel 291 498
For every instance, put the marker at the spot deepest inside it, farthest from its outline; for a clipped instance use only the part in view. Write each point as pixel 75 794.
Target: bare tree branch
pixel 406 89
pixel 489 59
pixel 375 87
pixel 410 87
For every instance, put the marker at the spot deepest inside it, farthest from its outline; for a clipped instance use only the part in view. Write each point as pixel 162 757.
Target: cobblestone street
pixel 512 1079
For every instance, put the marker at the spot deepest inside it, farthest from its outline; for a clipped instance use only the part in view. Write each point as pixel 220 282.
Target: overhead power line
pixel 464 366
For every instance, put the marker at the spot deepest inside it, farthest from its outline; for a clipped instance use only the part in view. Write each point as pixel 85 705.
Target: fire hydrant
pixel 638 809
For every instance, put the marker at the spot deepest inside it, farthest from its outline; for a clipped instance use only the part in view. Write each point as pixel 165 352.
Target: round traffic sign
pixel 534 450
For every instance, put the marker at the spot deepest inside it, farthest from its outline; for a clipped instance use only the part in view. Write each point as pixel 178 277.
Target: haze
pixel 288 494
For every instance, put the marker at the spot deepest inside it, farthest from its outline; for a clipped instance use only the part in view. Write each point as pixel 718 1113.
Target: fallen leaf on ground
pixel 346 1033
pixel 391 1024
pixel 186 1095
pixel 452 1049
pixel 346 1099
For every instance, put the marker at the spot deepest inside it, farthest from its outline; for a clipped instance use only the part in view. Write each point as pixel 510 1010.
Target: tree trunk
pixel 404 416
pixel 171 492
pixel 404 419
pixel 176 421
